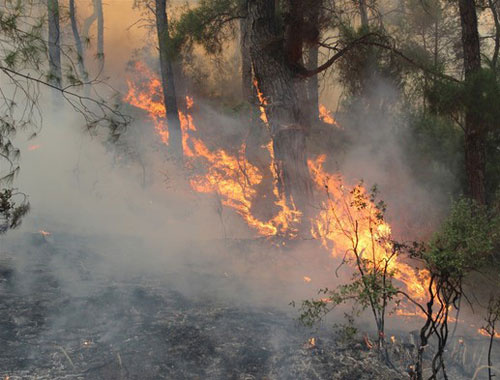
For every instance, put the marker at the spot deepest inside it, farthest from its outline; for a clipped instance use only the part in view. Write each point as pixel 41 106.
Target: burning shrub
pixel 373 257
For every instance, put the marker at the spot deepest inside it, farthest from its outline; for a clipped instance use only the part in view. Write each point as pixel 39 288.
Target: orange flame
pixel 148 97
pixel 339 225
pixel 235 180
pixel 326 116
pixel 262 101
pixel 231 176
pixel 482 331
pixel 34 147
pixel 311 342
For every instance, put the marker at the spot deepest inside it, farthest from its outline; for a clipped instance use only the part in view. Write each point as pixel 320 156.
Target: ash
pixel 89 325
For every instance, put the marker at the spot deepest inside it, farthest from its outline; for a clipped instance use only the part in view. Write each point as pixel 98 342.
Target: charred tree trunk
pixel 276 81
pixel 312 42
pixel 78 41
pixel 55 73
pixel 167 78
pixel 247 87
pixel 312 84
pixel 475 130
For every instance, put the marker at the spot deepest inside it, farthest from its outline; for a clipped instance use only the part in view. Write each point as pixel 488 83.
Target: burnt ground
pixel 62 319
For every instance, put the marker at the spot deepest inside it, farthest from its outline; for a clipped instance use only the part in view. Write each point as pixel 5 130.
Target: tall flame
pixel 147 95
pixel 235 180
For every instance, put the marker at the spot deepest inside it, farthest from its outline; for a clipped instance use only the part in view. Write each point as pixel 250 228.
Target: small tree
pixel 492 318
pixel 370 251
pixel 460 247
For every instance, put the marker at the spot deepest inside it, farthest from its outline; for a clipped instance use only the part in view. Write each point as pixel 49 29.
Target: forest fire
pixel 339 226
pixel 147 95
pixel 231 176
pixel 211 222
pixel 234 179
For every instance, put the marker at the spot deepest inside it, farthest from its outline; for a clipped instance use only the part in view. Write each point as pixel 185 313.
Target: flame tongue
pixel 231 176
pixel 148 96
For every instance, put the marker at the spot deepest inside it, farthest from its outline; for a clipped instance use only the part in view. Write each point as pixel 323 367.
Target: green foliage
pixel 347 331
pixel 434 147
pixel 11 213
pixel 464 241
pixel 479 94
pixel 359 67
pixel 209 24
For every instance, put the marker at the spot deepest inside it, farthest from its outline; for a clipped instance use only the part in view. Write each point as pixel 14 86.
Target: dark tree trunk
pixel 276 82
pixel 247 87
pixel 312 85
pixel 55 74
pixel 78 41
pixel 312 42
pixel 167 78
pixel 475 130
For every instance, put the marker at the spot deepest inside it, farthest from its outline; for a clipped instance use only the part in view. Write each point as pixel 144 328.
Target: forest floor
pixel 108 327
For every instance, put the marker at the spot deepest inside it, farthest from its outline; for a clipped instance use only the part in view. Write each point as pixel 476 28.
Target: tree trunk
pixel 100 33
pixel 475 130
pixel 312 86
pixel 247 87
pixel 363 13
pixel 167 78
pixel 276 82
pixel 78 41
pixel 55 74
pixel 98 15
